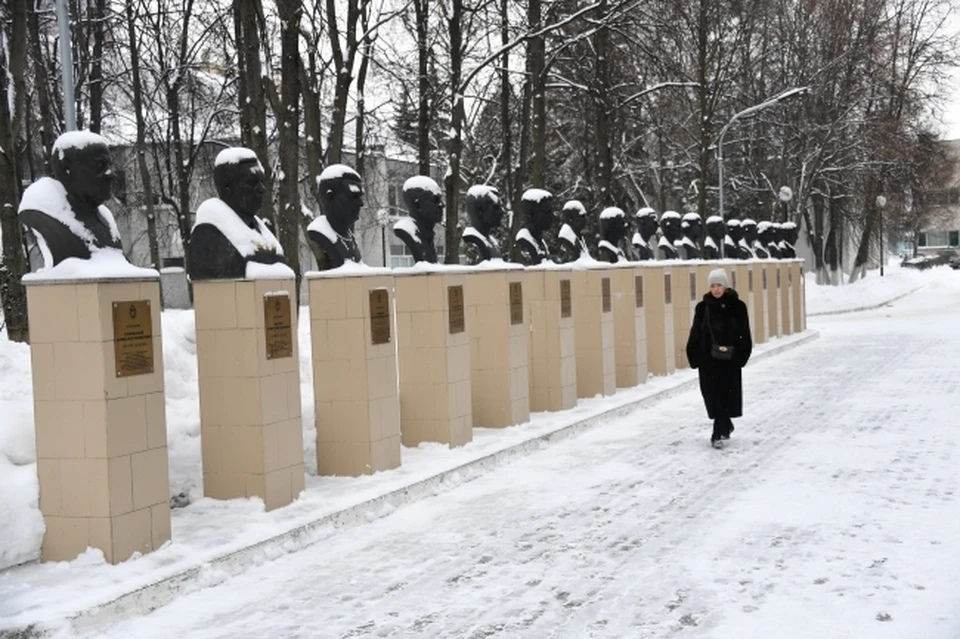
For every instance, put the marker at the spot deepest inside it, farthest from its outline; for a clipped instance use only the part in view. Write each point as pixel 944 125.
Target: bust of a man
pixel 424 201
pixel 716 237
pixel 789 242
pixel 66 212
pixel 570 240
pixel 536 206
pixel 486 215
pixel 669 235
pixel 691 227
pixel 646 219
pixel 735 234
pixel 228 234
pixel 613 230
pixel 757 250
pixel 341 198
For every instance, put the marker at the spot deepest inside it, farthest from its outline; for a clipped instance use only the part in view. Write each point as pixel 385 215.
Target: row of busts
pixel 67 216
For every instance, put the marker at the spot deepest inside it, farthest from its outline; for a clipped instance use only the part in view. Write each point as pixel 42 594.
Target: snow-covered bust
pixel 486 216
pixel 669 235
pixel 536 206
pixel 691 226
pixel 788 243
pixel 227 234
pixel 570 240
pixel 646 219
pixel 424 201
pixel 714 243
pixel 341 198
pixel 613 230
pixel 749 227
pixel 66 212
pixel 735 237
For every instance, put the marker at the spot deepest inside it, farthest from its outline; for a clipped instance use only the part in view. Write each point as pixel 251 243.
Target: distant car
pixel 947 257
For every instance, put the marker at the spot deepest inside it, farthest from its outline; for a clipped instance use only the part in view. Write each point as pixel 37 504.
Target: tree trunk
pixel 141 145
pixel 14 265
pixel 506 133
pixel 452 254
pixel 536 54
pixel 314 149
pixel 421 8
pixel 874 188
pixel 702 94
pixel 288 226
pixel 604 109
pixel 98 19
pixel 47 132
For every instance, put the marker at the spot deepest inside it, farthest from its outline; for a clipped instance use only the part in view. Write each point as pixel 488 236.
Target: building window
pixel 954 238
pixel 937 238
pixel 400 256
pixel 922 240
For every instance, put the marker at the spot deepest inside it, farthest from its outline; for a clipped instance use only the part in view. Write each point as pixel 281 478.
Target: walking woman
pixel 719 347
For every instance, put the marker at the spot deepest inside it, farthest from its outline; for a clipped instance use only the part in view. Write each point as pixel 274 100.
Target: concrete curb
pixel 156 595
pixel 860 309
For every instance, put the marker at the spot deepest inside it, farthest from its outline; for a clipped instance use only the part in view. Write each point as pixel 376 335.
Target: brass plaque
pixel 638 290
pixel 733 274
pixel 605 293
pixel 132 338
pixel 278 326
pixel 380 316
pixel 667 289
pixel 693 287
pixel 764 279
pixel 750 281
pixel 566 304
pixel 455 308
pixel 516 303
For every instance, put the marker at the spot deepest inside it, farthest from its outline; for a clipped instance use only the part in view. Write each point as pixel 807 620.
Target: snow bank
pixel 874 290
pixel 423 183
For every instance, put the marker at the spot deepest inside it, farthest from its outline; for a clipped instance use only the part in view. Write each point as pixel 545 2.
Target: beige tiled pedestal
pixel 354 380
pixel 593 322
pixel 786 298
pixel 433 353
pixel 630 326
pixel 498 327
pixel 774 314
pixel 101 436
pixel 684 275
pixel 758 280
pixel 658 307
pixel 251 432
pixel 799 293
pixel 742 281
pixel 552 342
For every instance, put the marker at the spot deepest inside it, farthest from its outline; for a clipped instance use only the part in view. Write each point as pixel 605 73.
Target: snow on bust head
pixel 76 140
pixel 575 207
pixel 336 172
pixel 237 155
pixel 423 183
pixel 611 212
pixel 536 195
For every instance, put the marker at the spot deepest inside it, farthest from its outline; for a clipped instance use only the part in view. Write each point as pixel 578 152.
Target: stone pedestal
pixel 354 371
pixel 248 366
pixel 658 306
pixel 786 298
pixel 774 314
pixel 497 317
pixel 684 292
pixel 593 321
pixel 433 354
pixel 758 279
pixel 552 343
pixel 799 293
pixel 97 365
pixel 742 282
pixel 630 326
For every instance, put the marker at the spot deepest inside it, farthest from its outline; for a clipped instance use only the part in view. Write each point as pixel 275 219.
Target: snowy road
pixel 833 513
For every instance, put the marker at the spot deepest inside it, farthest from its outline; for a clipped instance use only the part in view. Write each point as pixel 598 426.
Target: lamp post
pixel 881 203
pixel 66 64
pixel 749 111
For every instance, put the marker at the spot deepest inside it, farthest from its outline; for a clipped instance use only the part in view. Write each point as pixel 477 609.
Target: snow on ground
pixel 871 290
pixel 663 469
pixel 832 514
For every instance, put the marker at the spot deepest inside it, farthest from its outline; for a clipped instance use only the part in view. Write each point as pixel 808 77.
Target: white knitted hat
pixel 717 276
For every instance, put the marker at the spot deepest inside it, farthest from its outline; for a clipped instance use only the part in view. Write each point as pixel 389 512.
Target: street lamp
pixel 750 111
pixel 66 62
pixel 881 203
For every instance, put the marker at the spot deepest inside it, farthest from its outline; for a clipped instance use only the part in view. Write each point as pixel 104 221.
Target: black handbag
pixel 717 351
